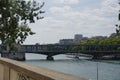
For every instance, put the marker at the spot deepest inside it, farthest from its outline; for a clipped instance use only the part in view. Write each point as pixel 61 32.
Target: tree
pixel 118 30
pixel 14 18
pixel 118 26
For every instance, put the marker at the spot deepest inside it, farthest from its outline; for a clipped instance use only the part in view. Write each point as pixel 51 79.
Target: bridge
pixel 96 50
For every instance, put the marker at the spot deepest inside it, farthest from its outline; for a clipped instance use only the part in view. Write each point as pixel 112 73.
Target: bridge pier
pixel 51 58
pixel 96 57
pixel 15 56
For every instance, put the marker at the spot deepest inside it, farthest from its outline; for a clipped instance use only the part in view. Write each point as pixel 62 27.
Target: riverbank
pixel 108 57
pixel 111 57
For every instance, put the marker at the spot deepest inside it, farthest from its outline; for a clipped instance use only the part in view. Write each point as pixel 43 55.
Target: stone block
pixel 1 71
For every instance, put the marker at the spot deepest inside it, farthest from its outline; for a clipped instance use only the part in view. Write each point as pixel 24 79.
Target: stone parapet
pixel 15 70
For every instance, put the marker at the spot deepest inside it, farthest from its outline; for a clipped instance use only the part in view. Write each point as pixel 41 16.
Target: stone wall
pixel 15 56
pixel 14 70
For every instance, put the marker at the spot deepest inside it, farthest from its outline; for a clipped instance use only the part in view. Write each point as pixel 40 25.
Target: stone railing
pixel 15 70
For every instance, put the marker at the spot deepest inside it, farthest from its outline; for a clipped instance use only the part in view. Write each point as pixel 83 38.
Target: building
pixel 78 38
pixel 113 35
pixel 99 37
pixel 84 38
pixel 66 41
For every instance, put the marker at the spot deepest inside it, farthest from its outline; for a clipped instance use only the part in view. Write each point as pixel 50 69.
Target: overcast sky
pixel 65 18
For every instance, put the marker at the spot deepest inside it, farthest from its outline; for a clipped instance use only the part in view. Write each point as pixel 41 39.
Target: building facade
pixel 66 41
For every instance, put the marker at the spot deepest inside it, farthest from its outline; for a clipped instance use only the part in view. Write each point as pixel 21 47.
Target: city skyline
pixel 65 18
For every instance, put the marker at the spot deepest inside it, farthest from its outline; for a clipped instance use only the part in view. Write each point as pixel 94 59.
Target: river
pixel 107 69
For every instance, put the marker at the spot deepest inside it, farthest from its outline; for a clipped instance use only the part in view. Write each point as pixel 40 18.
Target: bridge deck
pixel 62 49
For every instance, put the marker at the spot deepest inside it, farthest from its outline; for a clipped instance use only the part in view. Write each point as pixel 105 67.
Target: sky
pixel 65 18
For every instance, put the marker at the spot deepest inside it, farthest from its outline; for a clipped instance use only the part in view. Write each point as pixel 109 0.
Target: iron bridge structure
pixel 96 50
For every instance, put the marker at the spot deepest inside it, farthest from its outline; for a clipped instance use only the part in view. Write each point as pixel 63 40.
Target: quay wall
pixel 15 70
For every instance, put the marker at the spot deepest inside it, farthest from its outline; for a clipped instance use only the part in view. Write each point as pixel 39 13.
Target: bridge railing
pixel 95 47
pixel 88 47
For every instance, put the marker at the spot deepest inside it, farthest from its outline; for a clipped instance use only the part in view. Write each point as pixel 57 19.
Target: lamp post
pixel 97 71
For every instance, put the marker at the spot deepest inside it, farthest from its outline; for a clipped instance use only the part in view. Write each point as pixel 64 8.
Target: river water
pixel 107 69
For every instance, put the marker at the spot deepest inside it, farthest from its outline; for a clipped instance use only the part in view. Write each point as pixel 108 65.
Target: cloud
pixel 108 7
pixel 67 1
pixel 60 10
pixel 69 13
pixel 65 21
pixel 99 18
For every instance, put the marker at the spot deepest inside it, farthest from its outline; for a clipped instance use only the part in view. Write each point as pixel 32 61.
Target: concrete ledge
pixel 15 70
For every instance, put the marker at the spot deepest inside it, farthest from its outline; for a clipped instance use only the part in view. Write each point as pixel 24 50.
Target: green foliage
pixel 107 42
pixel 76 48
pixel 14 17
pixel 103 41
pixel 118 48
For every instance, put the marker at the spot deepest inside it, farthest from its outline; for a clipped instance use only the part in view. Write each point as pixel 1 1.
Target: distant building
pixel 99 37
pixel 78 38
pixel 113 35
pixel 66 41
pixel 85 38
